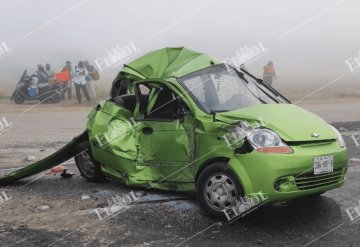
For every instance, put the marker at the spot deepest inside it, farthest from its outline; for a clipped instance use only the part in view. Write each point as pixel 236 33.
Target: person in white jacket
pixel 79 73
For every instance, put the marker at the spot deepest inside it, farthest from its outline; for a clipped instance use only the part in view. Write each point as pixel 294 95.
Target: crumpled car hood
pixel 290 122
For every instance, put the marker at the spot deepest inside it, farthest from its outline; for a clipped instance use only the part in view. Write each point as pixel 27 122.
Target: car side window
pixel 123 94
pixel 165 106
pixel 121 87
pixel 160 103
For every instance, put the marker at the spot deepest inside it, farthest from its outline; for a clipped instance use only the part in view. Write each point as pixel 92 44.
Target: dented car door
pixel 165 138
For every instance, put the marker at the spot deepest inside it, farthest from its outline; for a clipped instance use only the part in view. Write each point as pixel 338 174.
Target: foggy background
pixel 308 41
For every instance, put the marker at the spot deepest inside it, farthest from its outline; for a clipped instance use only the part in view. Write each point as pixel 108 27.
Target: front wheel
pixel 19 99
pixel 88 167
pixel 216 189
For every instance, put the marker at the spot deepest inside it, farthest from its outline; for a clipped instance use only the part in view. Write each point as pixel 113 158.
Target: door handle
pixel 147 130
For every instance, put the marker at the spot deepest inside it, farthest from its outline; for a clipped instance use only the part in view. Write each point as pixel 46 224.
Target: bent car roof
pixel 168 62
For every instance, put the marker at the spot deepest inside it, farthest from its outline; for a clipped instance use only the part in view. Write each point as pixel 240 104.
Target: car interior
pixel 165 107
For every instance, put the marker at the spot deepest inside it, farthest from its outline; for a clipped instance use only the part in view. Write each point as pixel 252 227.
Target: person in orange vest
pixel 66 86
pixel 269 73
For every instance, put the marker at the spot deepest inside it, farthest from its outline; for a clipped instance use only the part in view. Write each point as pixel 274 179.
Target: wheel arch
pixel 221 159
pixel 209 162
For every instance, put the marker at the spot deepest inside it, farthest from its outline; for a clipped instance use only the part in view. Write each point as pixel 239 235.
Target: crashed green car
pixel 182 120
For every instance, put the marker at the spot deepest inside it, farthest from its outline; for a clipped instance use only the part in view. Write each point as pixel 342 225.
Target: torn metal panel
pixel 55 159
pixel 111 129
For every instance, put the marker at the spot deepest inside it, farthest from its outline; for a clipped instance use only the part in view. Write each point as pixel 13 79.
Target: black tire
pixel 44 100
pixel 207 181
pixel 56 98
pixel 19 99
pixel 88 167
pixel 52 98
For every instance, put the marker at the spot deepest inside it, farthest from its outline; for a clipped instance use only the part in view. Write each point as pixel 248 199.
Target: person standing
pixel 269 73
pixel 66 86
pixel 50 73
pixel 90 82
pixel 80 74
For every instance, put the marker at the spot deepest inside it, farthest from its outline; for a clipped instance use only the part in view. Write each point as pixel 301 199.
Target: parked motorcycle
pixel 26 90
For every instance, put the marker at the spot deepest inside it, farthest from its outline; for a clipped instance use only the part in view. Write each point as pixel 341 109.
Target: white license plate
pixel 323 164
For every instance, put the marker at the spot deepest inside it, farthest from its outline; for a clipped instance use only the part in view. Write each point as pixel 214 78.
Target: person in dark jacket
pixel 90 82
pixel 41 75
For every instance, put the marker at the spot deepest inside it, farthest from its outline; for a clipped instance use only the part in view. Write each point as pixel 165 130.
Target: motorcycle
pixel 27 90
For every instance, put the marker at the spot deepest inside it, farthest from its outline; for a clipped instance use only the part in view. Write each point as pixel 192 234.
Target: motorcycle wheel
pixel 56 98
pixel 19 99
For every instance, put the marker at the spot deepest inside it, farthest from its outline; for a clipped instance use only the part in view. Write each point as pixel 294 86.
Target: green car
pixel 181 120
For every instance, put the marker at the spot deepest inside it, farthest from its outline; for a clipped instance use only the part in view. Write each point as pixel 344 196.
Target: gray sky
pixel 317 35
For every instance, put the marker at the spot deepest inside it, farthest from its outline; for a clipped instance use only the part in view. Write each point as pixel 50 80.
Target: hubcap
pixel 86 164
pixel 220 192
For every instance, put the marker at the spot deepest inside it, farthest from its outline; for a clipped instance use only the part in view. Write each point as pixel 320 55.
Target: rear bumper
pixel 289 176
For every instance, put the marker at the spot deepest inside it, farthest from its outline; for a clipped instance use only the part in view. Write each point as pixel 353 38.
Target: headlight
pixel 267 141
pixel 339 137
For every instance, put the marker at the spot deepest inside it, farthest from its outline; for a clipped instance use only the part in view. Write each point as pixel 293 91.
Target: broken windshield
pixel 220 88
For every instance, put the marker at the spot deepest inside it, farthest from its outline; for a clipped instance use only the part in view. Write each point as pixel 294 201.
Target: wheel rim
pixel 220 191
pixel 86 164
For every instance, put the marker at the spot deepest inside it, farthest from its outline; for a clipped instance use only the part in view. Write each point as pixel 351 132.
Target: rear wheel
pixel 45 100
pixel 19 99
pixel 88 167
pixel 216 189
pixel 56 98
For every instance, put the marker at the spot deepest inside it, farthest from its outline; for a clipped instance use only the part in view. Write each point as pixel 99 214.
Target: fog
pixel 308 41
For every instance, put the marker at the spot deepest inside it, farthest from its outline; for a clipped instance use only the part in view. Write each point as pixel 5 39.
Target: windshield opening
pixel 219 89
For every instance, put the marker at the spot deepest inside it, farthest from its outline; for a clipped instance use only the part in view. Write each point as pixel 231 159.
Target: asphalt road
pixel 47 210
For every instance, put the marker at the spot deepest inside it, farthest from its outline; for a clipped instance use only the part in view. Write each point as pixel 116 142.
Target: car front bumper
pixel 287 176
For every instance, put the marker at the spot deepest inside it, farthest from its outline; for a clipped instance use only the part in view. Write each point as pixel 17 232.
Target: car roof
pixel 167 63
